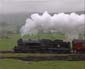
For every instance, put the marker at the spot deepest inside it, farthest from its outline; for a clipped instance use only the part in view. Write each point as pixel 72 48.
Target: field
pixel 9 43
pixel 17 64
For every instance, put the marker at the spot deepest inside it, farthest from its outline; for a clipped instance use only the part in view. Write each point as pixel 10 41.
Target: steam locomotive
pixel 49 46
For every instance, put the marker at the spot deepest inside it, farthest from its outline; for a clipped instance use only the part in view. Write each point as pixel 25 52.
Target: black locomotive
pixel 42 46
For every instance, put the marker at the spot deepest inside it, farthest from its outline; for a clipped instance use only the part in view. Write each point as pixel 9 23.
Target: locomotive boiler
pixel 42 46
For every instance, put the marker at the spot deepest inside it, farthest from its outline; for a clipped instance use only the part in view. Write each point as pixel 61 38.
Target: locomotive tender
pixel 49 46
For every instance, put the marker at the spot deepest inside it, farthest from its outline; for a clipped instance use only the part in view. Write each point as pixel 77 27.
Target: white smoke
pixel 66 23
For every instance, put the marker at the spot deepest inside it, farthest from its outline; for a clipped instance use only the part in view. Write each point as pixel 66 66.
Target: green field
pixel 17 64
pixel 9 43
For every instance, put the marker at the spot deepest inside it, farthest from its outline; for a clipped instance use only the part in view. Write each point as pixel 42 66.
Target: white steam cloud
pixel 45 23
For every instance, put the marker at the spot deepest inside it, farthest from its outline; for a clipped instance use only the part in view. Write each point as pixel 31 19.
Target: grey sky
pixel 14 6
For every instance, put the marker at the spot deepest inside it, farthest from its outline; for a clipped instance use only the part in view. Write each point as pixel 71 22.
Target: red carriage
pixel 78 46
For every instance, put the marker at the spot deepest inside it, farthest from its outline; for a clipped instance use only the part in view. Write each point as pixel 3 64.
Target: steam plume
pixel 45 23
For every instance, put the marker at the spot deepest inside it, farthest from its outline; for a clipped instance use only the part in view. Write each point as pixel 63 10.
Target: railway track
pixel 9 54
pixel 6 51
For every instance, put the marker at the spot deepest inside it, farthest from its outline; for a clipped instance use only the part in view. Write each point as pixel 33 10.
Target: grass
pixel 17 64
pixel 9 43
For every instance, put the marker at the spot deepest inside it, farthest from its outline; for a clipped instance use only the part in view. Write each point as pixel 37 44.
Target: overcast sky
pixel 14 6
